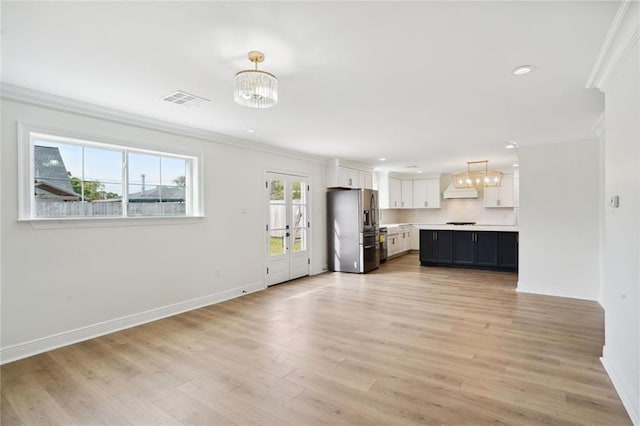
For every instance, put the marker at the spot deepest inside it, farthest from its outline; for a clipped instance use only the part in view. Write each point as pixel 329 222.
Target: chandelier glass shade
pixel 478 178
pixel 256 88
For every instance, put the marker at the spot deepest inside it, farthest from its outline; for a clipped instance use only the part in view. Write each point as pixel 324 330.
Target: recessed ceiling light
pixel 251 130
pixel 382 159
pixel 516 165
pixel 419 171
pixel 511 145
pixel 523 70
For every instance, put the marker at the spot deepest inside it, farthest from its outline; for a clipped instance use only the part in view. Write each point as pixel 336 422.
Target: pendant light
pixel 477 178
pixel 256 88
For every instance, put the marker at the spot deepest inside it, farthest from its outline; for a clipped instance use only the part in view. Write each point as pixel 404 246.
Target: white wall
pixel 621 276
pixel 559 236
pixel 62 285
pixel 616 72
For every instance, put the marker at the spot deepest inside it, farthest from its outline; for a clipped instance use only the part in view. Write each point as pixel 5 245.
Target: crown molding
pixel 621 38
pixel 60 103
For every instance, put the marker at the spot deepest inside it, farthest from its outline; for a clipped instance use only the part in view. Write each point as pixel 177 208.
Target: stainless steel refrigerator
pixel 352 222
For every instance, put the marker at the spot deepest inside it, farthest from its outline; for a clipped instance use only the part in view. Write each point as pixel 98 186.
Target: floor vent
pixel 184 99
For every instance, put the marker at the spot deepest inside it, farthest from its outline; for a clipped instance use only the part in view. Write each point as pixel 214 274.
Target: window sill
pixel 103 222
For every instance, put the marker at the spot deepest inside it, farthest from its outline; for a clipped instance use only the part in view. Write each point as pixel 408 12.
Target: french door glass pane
pixel 298 194
pixel 299 216
pixel 277 213
pixel 299 239
pixel 277 242
pixel 277 190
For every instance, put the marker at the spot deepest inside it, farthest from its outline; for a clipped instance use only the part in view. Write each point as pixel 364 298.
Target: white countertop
pixel 444 227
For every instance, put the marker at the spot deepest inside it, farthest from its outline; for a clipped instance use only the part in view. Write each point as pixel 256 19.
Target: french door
pixel 287 230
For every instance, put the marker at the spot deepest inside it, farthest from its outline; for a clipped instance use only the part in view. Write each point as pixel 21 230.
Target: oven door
pixel 370 253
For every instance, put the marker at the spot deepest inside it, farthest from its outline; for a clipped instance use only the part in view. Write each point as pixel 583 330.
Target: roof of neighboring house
pixel 51 177
pixel 157 193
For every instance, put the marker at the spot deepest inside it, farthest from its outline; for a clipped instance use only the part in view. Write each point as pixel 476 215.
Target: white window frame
pixel 26 177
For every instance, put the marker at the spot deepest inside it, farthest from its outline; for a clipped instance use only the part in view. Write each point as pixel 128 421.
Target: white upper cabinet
pixel 395 193
pixel 339 176
pixel 348 178
pixel 516 189
pixel 501 196
pixel 366 180
pixel 426 193
pixel 407 194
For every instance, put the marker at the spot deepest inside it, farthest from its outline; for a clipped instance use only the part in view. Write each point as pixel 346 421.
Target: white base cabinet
pixel 401 239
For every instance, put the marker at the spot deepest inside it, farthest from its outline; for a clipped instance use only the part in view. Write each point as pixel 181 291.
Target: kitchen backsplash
pixel 453 210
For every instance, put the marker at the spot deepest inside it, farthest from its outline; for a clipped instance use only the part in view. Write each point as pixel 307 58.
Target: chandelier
pixel 255 88
pixel 479 177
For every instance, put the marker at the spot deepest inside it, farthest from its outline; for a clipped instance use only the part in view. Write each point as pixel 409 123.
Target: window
pixel 69 177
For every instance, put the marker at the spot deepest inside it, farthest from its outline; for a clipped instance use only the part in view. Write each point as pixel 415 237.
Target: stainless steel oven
pixel 383 245
pixel 370 252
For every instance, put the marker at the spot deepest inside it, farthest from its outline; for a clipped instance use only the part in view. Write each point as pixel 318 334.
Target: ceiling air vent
pixel 184 99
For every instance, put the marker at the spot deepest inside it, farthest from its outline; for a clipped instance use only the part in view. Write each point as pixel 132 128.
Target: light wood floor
pixel 404 345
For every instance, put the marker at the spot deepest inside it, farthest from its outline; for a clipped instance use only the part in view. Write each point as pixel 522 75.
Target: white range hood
pixel 453 192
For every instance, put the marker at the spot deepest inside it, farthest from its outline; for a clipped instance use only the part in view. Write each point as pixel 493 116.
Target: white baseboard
pixel 322 270
pixel 44 344
pixel 629 400
pixel 544 290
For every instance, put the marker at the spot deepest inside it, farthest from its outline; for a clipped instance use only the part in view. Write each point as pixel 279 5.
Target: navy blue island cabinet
pixel 436 247
pixel 496 250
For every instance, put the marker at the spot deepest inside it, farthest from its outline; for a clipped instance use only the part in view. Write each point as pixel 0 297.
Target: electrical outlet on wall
pixel 218 272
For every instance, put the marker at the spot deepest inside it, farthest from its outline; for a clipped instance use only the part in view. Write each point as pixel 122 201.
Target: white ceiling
pixel 420 83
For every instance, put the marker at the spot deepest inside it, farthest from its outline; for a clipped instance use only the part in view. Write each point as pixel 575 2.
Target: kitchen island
pixel 470 246
pixel 493 247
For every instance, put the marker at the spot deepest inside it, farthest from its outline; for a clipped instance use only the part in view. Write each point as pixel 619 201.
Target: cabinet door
pixel 420 200
pixel 490 197
pixel 348 178
pixel 366 180
pixel 428 252
pixel 506 192
pixel 508 257
pixel 426 193
pixel 501 196
pixel 486 243
pixel 395 193
pixel 392 244
pixel 445 247
pixel 407 193
pixel 516 189
pixel 407 238
pixel 463 247
pixel 414 241
pixel 433 194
